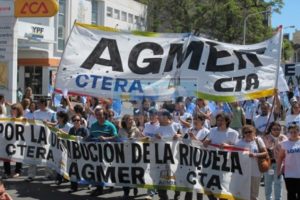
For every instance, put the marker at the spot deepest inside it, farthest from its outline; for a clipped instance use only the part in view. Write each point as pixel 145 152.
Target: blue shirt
pixel 107 129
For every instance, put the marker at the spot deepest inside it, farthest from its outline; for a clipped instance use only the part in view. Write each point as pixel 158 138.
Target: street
pixel 48 190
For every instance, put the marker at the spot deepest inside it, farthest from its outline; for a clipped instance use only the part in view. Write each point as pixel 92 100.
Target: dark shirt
pixel 83 132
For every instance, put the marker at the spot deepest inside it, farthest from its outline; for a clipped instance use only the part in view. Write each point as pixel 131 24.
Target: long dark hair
pixel 272 124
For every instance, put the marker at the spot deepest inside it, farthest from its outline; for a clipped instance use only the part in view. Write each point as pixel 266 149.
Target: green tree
pixel 287 50
pixel 217 19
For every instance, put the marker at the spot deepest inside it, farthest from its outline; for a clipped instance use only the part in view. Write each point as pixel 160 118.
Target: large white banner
pixel 99 62
pixel 292 73
pixel 176 165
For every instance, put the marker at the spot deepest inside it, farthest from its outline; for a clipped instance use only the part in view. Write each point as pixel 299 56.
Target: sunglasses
pixel 276 129
pixel 76 120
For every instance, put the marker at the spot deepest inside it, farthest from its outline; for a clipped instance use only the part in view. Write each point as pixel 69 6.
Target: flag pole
pixel 280 54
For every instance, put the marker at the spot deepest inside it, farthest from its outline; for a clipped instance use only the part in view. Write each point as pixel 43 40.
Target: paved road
pixel 48 190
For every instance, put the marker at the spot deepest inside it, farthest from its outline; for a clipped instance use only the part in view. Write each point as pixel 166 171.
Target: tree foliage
pixel 287 50
pixel 217 19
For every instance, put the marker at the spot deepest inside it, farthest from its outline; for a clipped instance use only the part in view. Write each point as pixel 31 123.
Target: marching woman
pixel 272 139
pixel 289 157
pixel 200 133
pixel 129 131
pixel 16 112
pixel 251 142
pixel 77 130
pixel 221 135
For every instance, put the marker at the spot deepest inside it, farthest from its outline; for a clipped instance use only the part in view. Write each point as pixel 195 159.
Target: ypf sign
pixel 36 8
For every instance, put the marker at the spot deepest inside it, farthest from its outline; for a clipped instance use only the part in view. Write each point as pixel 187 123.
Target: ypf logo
pixel 35 8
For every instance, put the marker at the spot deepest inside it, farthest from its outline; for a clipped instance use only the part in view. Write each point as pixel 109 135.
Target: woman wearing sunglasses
pixel 289 156
pixel 250 141
pixel 77 130
pixel 272 138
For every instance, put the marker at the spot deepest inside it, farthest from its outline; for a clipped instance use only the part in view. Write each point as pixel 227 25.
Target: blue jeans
pixel 271 179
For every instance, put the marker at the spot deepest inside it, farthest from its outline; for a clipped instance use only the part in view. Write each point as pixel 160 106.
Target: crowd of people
pixel 252 124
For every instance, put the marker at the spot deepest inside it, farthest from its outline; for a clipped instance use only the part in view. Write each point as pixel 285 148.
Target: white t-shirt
pixel 47 115
pixel 290 119
pixel 261 122
pixel 200 134
pixel 167 132
pixel 252 146
pixel 66 128
pixel 292 158
pixel 29 115
pixel 150 129
pixel 230 136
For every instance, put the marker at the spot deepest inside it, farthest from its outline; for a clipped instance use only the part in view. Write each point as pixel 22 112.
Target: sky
pixel 290 16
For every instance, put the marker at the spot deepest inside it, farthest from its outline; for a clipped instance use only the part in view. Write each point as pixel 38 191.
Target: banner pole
pixel 280 54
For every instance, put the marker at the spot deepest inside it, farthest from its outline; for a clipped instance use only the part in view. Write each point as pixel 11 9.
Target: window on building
pixel 142 21
pixel 34 78
pixel 124 16
pixel 116 14
pixel 61 25
pixel 94 12
pixel 130 18
pixel 109 11
pixel 136 19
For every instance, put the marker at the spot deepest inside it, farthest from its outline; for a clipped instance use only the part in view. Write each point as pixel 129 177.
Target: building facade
pixel 41 41
pixel 296 43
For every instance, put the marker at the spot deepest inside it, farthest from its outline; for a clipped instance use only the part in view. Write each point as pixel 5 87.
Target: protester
pixel 77 130
pixel 25 103
pixel 63 105
pixel 289 156
pixel 249 107
pixel 200 133
pixel 149 132
pixel 28 94
pixel 221 135
pixel 102 130
pixel 167 130
pixel 63 121
pixel 3 105
pixel 16 112
pixel 267 113
pixel 128 128
pixel 181 116
pixel 78 110
pixel 129 131
pixel 238 119
pixel 272 139
pixel 294 117
pixel 190 105
pixel 64 125
pixel 89 109
pixel 48 116
pixel 202 107
pixel 250 141
pixel 3 194
pixel 29 114
pixel 262 120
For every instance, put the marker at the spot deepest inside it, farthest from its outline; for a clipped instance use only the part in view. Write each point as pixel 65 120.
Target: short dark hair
pixel 293 126
pixel 43 101
pixel 63 115
pixel 225 117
